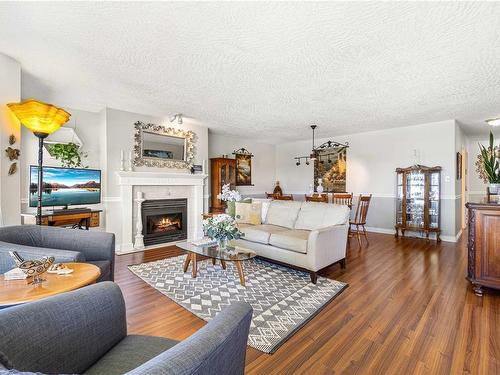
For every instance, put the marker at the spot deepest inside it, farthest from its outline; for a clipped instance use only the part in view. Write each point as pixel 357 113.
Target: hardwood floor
pixel 408 310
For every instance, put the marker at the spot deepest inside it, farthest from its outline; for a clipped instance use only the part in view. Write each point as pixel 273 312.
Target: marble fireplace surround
pixel 159 185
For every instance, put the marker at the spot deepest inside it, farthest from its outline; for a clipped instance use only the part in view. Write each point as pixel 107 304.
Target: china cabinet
pixel 223 171
pixel 418 205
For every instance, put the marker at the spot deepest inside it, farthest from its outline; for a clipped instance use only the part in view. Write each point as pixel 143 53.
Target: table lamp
pixel 42 119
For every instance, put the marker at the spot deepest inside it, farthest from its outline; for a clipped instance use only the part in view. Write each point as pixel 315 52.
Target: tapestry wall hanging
pixel 332 169
pixel 243 167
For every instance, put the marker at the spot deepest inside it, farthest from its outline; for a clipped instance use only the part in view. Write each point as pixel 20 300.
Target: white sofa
pixel 305 235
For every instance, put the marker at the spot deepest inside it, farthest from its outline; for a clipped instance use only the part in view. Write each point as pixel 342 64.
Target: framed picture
pixel 243 170
pixel 459 166
pixel 243 167
pixel 331 166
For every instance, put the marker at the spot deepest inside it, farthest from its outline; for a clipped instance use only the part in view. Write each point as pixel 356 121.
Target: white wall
pixel 10 92
pixel 263 162
pixel 372 159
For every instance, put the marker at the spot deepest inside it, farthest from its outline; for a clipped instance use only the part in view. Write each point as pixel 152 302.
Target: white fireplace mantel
pixel 194 184
pixel 160 178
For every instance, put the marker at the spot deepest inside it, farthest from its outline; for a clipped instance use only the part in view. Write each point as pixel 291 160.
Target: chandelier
pixel 316 153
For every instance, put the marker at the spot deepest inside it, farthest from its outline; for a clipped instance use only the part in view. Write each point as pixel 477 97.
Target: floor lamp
pixel 42 119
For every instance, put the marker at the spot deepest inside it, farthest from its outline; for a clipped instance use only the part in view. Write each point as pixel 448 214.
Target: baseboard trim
pixel 393 231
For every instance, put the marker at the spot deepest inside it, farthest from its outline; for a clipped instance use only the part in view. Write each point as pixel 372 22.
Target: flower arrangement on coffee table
pixel 230 197
pixel 221 228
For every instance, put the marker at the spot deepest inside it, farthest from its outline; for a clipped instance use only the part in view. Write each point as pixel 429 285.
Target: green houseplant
pixel 490 157
pixel 68 154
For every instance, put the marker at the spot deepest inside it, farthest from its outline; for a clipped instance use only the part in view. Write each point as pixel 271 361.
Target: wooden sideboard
pixel 484 246
pixel 75 218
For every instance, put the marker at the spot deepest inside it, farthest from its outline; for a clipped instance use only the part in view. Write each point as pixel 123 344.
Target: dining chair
pixel 270 195
pixel 342 198
pixel 317 197
pixel 360 218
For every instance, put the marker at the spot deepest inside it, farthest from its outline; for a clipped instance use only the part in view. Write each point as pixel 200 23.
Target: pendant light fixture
pixel 316 154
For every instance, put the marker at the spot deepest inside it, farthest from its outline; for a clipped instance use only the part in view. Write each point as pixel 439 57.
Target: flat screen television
pixel 66 186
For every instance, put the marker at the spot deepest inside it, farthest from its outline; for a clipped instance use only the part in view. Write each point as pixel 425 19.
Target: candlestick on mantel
pixel 122 161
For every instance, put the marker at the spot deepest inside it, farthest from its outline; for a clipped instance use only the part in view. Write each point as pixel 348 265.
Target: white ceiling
pixel 264 70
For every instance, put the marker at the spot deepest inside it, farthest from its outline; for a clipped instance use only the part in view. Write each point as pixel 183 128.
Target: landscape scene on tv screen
pixel 66 186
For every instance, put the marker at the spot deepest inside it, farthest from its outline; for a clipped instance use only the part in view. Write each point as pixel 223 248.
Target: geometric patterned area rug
pixel 283 299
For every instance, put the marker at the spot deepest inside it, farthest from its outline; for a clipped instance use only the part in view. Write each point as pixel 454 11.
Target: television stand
pixel 86 219
pixel 57 211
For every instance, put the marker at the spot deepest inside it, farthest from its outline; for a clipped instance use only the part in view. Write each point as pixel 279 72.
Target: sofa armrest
pixel 31 252
pixel 327 245
pixel 217 348
pixel 64 334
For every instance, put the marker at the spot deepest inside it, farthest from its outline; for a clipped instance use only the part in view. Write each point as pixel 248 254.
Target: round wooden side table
pixel 15 292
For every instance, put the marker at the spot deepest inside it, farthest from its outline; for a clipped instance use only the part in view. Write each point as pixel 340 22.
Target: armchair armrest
pixel 64 334
pixel 327 245
pixel 217 348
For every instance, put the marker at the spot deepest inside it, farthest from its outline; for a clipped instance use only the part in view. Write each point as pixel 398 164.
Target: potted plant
pixel 221 228
pixel 490 157
pixel 69 154
pixel 230 197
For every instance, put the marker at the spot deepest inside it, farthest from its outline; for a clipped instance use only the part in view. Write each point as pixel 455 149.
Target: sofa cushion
pixel 260 233
pixel 248 213
pixel 316 215
pixel 283 213
pixel 130 353
pixel 294 240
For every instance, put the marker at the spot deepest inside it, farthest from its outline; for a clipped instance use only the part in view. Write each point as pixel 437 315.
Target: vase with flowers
pixel 230 197
pixel 491 163
pixel 221 228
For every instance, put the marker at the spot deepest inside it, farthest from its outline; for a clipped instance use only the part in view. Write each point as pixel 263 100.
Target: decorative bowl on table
pixel 33 268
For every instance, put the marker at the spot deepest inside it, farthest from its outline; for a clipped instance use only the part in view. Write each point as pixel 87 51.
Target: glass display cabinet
pixel 418 205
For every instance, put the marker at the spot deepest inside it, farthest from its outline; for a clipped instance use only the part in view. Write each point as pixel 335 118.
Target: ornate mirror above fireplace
pixel 157 146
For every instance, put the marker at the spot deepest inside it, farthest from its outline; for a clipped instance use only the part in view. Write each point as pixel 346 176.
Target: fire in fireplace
pixel 164 220
pixel 164 223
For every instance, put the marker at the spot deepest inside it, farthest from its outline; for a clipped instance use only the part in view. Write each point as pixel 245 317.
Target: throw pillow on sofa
pixel 248 213
pixel 266 202
pixel 283 213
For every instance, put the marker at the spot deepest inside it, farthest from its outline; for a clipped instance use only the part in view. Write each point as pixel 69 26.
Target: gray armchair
pixel 85 332
pixel 66 245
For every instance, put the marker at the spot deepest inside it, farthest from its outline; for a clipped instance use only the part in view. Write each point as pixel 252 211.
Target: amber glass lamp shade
pixel 39 117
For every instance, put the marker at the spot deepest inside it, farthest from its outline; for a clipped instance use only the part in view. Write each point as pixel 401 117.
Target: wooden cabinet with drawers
pixel 484 246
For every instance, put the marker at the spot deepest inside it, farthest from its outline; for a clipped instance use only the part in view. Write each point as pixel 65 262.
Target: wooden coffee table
pixel 236 254
pixel 15 292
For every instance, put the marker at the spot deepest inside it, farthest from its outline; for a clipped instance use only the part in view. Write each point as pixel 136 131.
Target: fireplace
pixel 164 220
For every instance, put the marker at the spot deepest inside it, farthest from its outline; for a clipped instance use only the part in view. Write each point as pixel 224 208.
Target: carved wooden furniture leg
pixel 239 267
pixel 193 259
pixel 478 290
pixel 342 263
pixel 223 264
pixel 213 261
pixel 186 262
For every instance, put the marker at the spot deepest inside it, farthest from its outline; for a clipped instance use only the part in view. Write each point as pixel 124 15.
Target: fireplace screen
pixel 164 220
pixel 164 223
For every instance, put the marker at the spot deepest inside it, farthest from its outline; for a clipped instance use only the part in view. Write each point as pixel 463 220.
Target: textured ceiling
pixel 264 70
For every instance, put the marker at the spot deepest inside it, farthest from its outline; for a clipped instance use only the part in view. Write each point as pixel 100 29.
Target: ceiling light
pixel 321 151
pixel 493 121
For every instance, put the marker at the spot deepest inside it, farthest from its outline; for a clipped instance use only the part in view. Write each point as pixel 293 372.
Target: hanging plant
pixel 68 154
